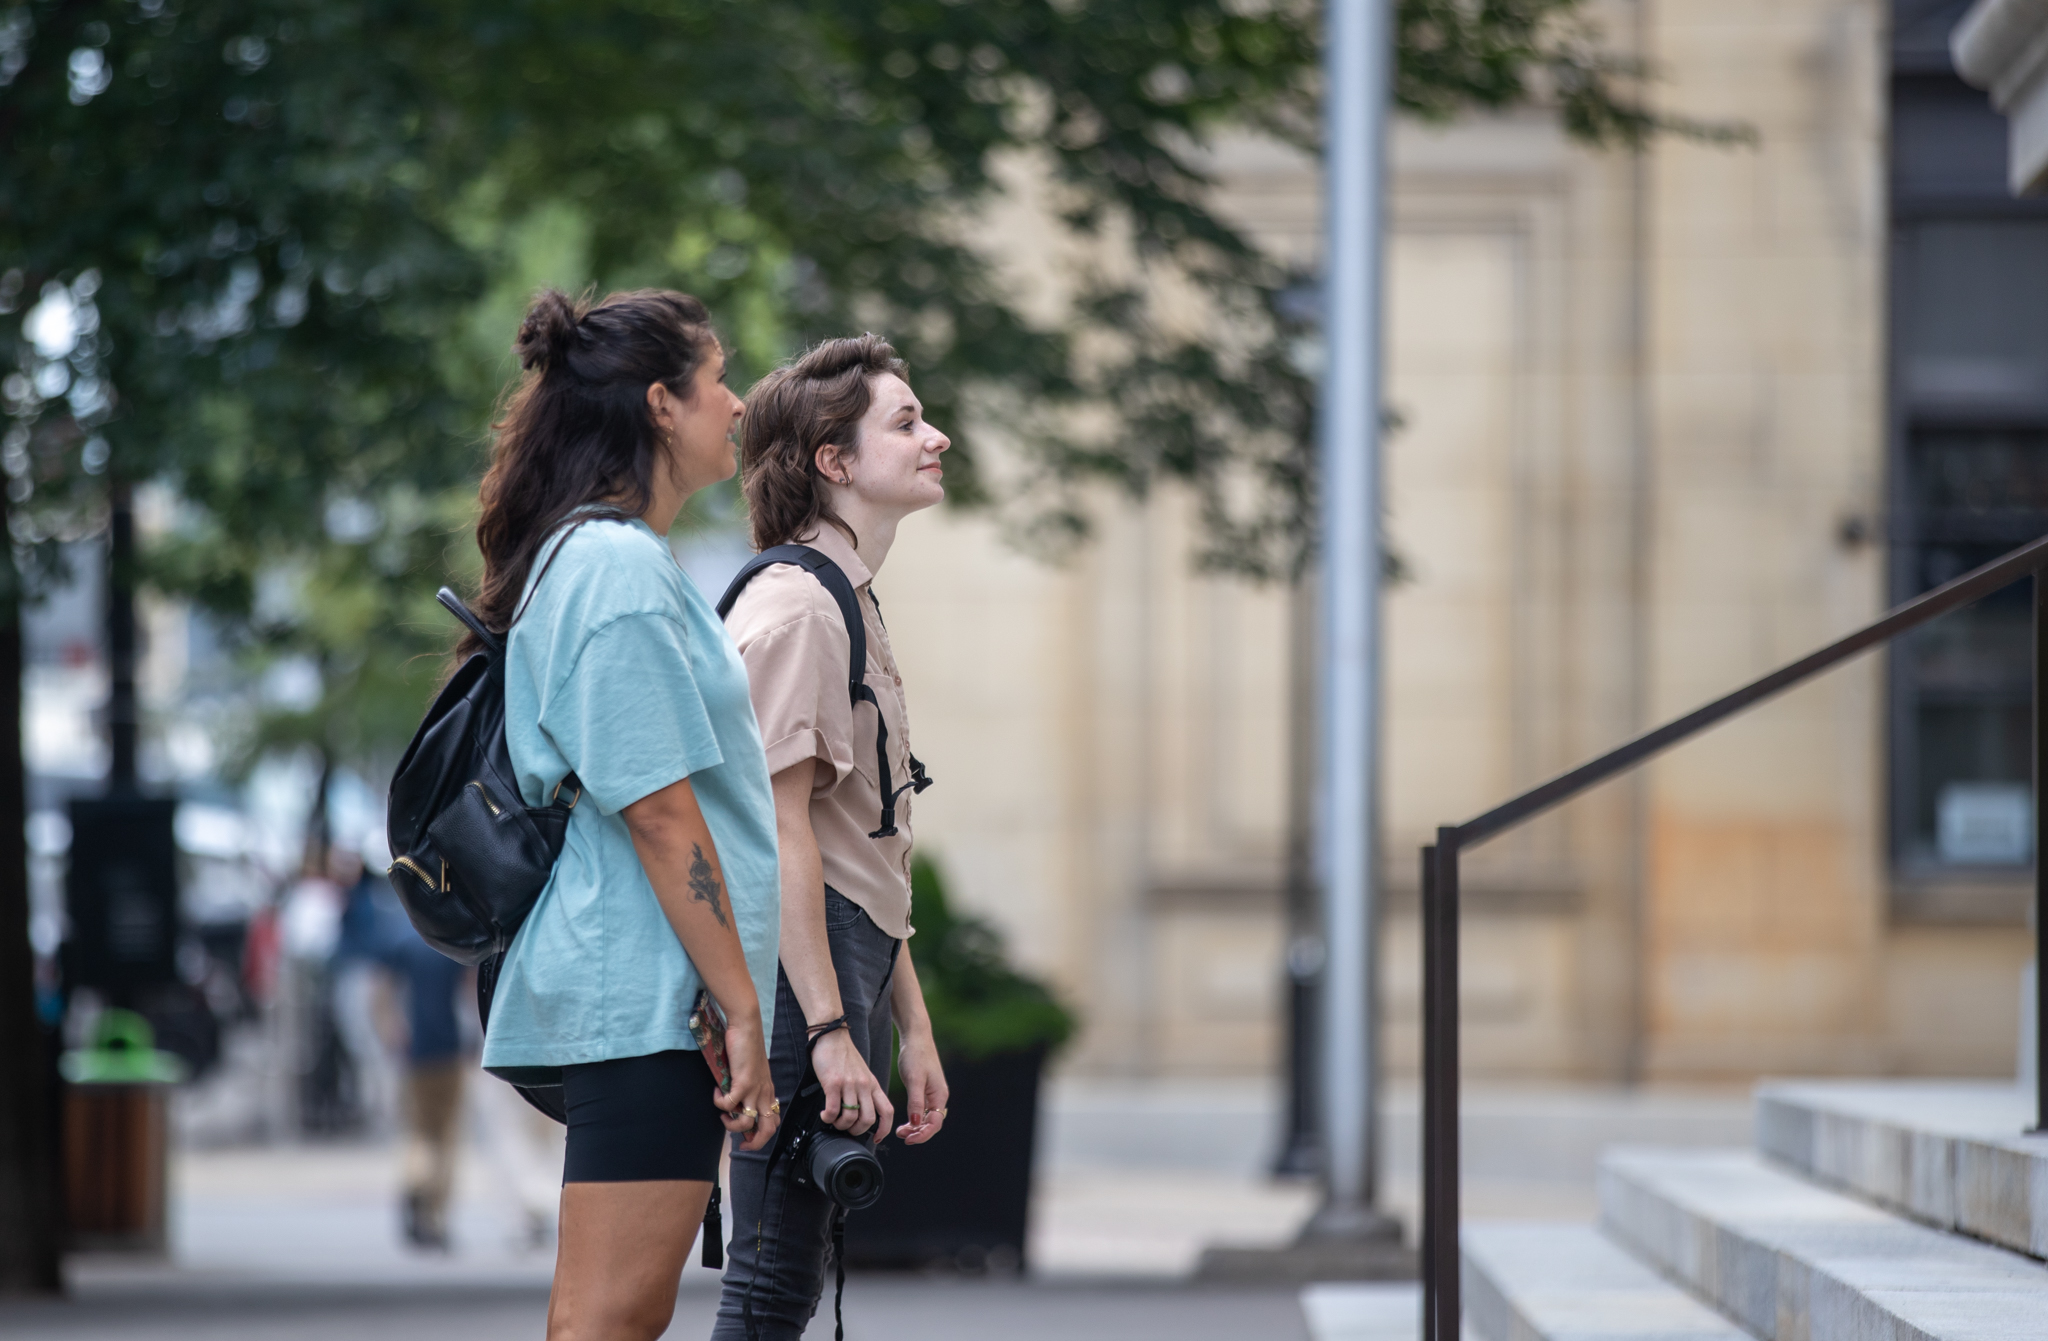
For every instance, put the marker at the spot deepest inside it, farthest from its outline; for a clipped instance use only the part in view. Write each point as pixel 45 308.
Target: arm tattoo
pixel 704 886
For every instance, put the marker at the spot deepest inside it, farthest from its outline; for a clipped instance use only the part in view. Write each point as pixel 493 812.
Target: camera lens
pixel 846 1170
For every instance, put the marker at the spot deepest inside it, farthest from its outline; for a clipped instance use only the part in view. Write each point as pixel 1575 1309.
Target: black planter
pixel 960 1200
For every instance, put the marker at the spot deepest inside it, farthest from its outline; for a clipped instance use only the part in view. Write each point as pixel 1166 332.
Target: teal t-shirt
pixel 620 671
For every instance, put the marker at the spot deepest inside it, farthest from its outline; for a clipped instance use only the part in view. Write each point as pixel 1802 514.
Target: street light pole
pixel 1358 69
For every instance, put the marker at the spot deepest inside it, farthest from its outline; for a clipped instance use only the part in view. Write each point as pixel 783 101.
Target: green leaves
pixel 251 187
pixel 1456 55
pixel 251 210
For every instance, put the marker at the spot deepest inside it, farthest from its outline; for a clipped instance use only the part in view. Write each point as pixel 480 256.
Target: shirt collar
pixel 831 542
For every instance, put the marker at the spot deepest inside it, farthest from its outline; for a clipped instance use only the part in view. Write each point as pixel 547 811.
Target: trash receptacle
pixel 116 1136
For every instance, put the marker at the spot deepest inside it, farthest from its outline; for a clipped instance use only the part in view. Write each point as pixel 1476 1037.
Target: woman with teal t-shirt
pixel 617 670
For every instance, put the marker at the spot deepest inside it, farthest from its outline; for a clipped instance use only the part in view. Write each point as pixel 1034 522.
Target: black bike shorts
pixel 641 1119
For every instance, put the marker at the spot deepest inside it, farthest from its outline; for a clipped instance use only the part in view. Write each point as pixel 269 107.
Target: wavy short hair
pixel 816 398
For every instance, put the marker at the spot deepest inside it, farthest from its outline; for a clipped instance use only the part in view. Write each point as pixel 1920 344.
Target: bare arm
pixel 807 961
pixel 924 1080
pixel 675 847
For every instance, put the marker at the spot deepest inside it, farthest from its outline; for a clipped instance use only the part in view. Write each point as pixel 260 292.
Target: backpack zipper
pixel 480 791
pixel 420 871
pixel 445 886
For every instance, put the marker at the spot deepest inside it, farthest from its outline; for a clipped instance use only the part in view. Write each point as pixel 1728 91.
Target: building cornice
pixel 2001 46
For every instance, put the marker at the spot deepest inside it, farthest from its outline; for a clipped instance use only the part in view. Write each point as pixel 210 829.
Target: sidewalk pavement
pixel 1135 1179
pixel 895 1308
pixel 1140 1176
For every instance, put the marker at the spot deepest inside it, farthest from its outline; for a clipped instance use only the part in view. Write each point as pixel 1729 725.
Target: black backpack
pixel 833 578
pixel 469 856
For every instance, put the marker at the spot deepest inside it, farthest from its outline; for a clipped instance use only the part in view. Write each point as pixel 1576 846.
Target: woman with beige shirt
pixel 835 452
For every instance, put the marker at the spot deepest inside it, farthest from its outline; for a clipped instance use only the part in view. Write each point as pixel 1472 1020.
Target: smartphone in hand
pixel 707 1026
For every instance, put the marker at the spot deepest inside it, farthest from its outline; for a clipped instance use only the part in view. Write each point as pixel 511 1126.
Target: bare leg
pixel 623 1246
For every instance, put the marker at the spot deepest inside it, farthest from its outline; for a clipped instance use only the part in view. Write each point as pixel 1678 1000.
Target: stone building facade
pixel 1657 439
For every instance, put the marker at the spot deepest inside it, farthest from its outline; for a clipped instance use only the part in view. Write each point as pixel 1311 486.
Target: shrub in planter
pixel 962 1198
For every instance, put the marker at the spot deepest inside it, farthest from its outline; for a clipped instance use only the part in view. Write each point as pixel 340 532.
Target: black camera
pixel 843 1167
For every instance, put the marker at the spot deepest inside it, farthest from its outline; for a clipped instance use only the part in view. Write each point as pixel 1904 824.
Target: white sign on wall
pixel 1985 823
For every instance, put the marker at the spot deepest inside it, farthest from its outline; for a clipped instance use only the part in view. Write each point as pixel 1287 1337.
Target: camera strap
pixel 818 1031
pixel 839 1273
pixel 754 1278
pixel 775 1149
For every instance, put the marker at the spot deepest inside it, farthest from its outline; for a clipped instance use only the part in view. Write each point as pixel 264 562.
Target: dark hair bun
pixel 544 336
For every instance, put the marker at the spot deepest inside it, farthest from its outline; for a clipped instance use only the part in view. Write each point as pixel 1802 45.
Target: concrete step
pixel 1546 1282
pixel 1790 1261
pixel 1949 1153
pixel 1380 1312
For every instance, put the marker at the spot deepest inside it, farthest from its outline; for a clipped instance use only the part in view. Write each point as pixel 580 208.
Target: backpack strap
pixel 830 576
pixel 533 588
pixel 491 641
pixel 833 579
pixel 495 644
pixel 919 778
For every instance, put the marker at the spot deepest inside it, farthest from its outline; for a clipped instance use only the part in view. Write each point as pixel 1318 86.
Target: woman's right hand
pixel 752 1086
pixel 854 1100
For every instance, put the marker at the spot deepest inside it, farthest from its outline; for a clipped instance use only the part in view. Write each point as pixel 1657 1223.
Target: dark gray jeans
pixel 781 1232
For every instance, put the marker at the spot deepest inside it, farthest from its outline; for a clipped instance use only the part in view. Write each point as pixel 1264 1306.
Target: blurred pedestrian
pixel 436 1063
pixel 363 987
pixel 621 685
pixel 837 453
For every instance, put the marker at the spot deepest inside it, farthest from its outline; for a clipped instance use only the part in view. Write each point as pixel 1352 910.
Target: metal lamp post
pixel 1358 67
pixel 1347 1238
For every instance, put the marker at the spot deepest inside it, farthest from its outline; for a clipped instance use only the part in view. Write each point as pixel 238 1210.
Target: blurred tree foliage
pixel 236 206
pixel 293 237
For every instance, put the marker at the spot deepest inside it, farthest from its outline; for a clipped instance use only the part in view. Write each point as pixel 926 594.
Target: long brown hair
pixel 816 398
pixel 576 429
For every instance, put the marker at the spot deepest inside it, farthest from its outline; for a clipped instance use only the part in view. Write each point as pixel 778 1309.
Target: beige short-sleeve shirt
pixel 790 634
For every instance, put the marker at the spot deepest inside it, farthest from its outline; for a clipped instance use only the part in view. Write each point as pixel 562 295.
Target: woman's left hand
pixel 924 1085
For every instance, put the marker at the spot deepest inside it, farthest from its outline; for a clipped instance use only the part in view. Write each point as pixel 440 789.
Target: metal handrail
pixel 1441 1304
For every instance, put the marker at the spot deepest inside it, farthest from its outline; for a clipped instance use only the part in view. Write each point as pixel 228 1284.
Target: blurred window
pixel 1974 493
pixel 1968 461
pixel 1947 140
